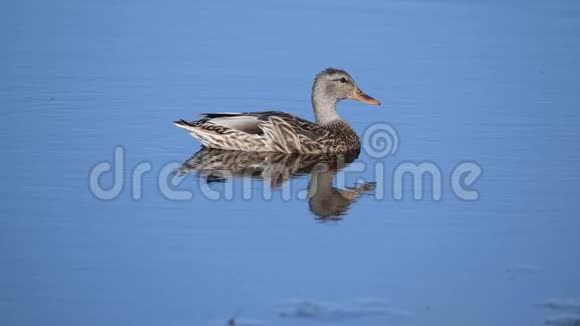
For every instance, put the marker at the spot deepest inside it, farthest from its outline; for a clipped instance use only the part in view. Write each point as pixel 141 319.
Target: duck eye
pixel 342 80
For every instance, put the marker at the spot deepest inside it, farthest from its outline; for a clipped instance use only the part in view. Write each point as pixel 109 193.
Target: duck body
pixel 271 131
pixel 275 131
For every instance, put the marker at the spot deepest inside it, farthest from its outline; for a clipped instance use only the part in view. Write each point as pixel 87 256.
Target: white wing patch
pixel 245 123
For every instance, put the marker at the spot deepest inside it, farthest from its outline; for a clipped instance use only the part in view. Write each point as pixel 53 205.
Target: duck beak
pixel 359 95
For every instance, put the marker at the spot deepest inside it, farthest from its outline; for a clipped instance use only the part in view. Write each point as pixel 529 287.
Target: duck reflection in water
pixel 325 201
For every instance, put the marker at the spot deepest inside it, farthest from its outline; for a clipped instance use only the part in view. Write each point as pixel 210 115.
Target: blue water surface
pixel 490 82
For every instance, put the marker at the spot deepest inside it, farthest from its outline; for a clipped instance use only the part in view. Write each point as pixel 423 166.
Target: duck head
pixel 330 86
pixel 338 84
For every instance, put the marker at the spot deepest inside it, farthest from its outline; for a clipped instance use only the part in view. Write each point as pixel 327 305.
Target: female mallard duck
pixel 274 131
